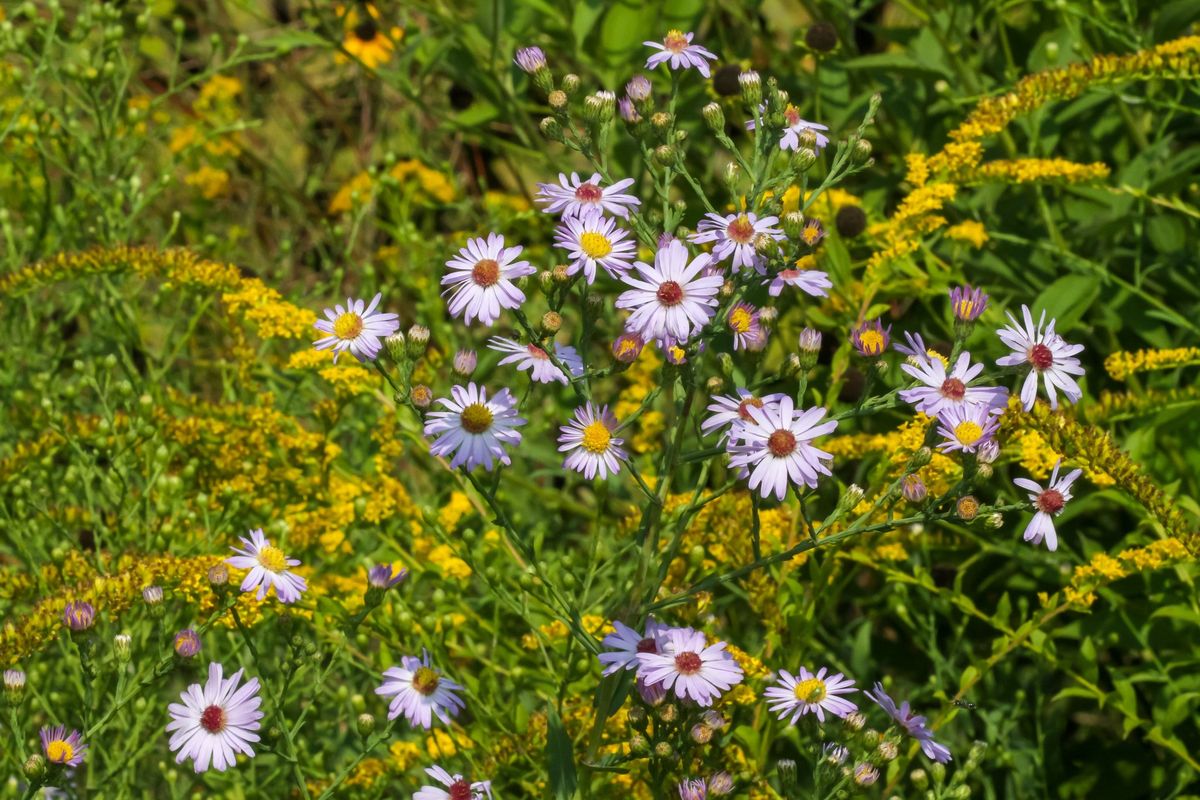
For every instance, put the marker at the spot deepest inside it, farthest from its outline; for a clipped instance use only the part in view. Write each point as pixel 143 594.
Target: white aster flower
pixel 419 691
pixel 1048 503
pixel 775 447
pixel 575 197
pixel 1047 353
pixel 475 430
pixel 732 411
pixel 734 235
pixel 537 361
pixel 589 443
pixel 592 239
pixel 670 300
pixel 268 568
pixel 808 693
pixel 677 49
pixel 215 722
pixel 691 666
pixel 811 281
pixel 355 328
pixel 457 787
pixel 627 643
pixel 480 279
pixel 942 390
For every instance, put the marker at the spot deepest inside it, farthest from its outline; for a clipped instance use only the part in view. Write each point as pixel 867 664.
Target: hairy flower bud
pixel 984 470
pixel 751 88
pixel 365 725
pixel 664 155
pixel 701 733
pixel 122 649
pixel 570 83
pixel 714 385
pixel 558 101
pixel 913 489
pixel 855 720
pixel 967 507
pixel 805 157
pixel 661 122
pixel 396 346
pixel 422 396
pixel 793 224
pixel 533 61
pixel 861 152
pixel 464 363
pixel 865 774
pixel 787 774
pixel 627 347
pixel 551 129
pixel 218 575
pixel 551 322
pixel 187 643
pixel 920 458
pixel 714 117
pixel 988 452
pixel 14 686
pixel 731 175
pixel 663 750
pixel 888 750
pixel 639 89
pixel 919 778
pixel 668 712
pixel 600 107
pixel 34 768
pixel 418 341
pixel 994 521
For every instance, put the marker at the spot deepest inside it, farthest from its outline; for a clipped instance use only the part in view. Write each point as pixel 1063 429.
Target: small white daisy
pixel 1047 353
pixel 574 198
pixel 457 787
pixel 357 329
pixel 215 722
pixel 419 691
pixel 677 49
pixel 475 430
pixel 480 279
pixel 793 127
pixel 268 568
pixel 942 390
pixel 592 239
pixel 775 447
pixel 670 299
pixel 627 643
pixel 734 236
pixel 808 693
pixel 537 361
pixel 811 281
pixel 967 427
pixel 1048 503
pixel 589 442
pixel 730 411
pixel 694 668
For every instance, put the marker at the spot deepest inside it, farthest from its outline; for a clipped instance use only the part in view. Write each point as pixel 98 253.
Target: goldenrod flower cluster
pixel 435 187
pixel 1035 170
pixel 1123 363
pixel 1104 569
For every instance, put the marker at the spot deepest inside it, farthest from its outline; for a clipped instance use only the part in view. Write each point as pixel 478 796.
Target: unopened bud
pixel 464 363
pixel 725 363
pixel 865 774
pixel 396 347
pixel 808 138
pixel 663 750
pixel 664 155
pixel 218 575
pixel 714 384
pixel 938 770
pixel 421 395
pixel 34 768
pixel 551 322
pixel 14 686
pixel 701 733
pixel 638 743
pixel 720 784
pixel 787 774
pixel 913 489
pixel 822 36
pixel 551 129
pixel 122 647
pixel 418 341
pixel 967 508
pixel 365 725
pixel 627 347
pixel 851 498
pixel 751 88
pixel 731 175
pixel 661 122
pixel 995 520
pixel 765 245
pixel 570 83
pixel 919 778
pixel 714 117
pixel 187 643
pixel 637 716
pixel 768 314
pixel 920 458
pixel 805 157
pixel 988 452
pixel 855 720
pixel 887 750
pixel 793 365
pixel 558 100
pixel 793 224
pixel 960 792
pixel 600 107
pixel 668 712
pixel 862 151
pixel 639 89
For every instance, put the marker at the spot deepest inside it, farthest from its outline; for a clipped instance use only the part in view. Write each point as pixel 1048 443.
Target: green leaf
pixel 1067 299
pixel 560 758
pixel 969 676
pixel 1167 234
pixel 288 41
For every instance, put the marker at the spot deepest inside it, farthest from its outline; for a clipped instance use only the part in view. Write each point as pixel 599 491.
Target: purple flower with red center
pixel 419 691
pixel 941 390
pixel 691 666
pixel 912 723
pixel 457 787
pixel 357 328
pixel 60 747
pixel 735 235
pixel 627 643
pixel 593 239
pixel 775 447
pixel 474 429
pixel 670 299
pixel 812 281
pixel 215 722
pixel 967 427
pixel 1048 503
pixel 1049 355
pixel 731 411
pixel 481 279
pixel 575 197
pixel 589 443
pixel 79 615
pixel 746 327
pixel 967 303
pixel 533 358
pixel 677 50
pixel 870 339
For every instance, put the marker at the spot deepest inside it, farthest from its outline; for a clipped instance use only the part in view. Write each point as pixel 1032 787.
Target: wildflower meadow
pixel 518 399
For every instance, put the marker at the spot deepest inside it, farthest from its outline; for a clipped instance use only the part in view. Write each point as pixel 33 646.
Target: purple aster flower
pixel 215 722
pixel 1048 504
pixel 812 232
pixel 670 299
pixel 732 411
pixel 793 127
pixel 573 198
pixel 530 59
pixel 356 328
pixel 746 327
pixel 870 339
pixel 61 747
pixel 480 279
pixel 589 443
pixel 473 429
pixel 912 723
pixel 533 358
pixel 967 427
pixel 812 281
pixel 694 668
pixel 269 568
pixel 1047 353
pixel 627 643
pixel 941 390
pixel 967 303
pixel 79 615
pixel 693 789
pixel 734 235
pixel 810 693
pixel 627 347
pixel 457 787
pixel 382 576
pixel 638 88
pixel 677 49
pixel 419 691
pixel 775 447
pixel 593 239
pixel 187 643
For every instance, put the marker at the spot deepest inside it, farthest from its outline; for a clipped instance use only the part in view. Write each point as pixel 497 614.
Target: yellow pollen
pixel 965 307
pixel 935 354
pixel 811 690
pixel 595 245
pixel 476 418
pixel 677 352
pixel 872 341
pixel 627 347
pixel 59 752
pixel 810 234
pixel 425 681
pixel 675 41
pixel 739 320
pixel 596 437
pixel 272 558
pixel 968 432
pixel 348 325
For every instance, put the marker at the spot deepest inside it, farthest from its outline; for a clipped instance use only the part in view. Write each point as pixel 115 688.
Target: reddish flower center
pixel 1050 501
pixel 1041 357
pixel 670 293
pixel 537 352
pixel 792 115
pixel 460 790
pixel 589 193
pixel 744 408
pixel 647 645
pixel 486 272
pixel 781 443
pixel 740 230
pixel 954 389
pixel 687 663
pixel 212 719
pixel 675 41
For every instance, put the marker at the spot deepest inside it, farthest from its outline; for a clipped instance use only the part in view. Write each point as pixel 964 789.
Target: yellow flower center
pixel 272 558
pixel 626 347
pixel 675 41
pixel 739 320
pixel 935 354
pixel 59 752
pixel 965 307
pixel 811 690
pixel 425 681
pixel 348 325
pixel 810 234
pixel 872 341
pixel 596 437
pixel 968 432
pixel 476 418
pixel 740 230
pixel 596 245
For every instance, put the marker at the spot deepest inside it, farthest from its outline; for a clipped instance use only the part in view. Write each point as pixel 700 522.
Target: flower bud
pixel 887 750
pixel 637 716
pixel 714 384
pixel 570 83
pixel 920 458
pixel 765 245
pixel 638 744
pixel 731 175
pixel 628 111
pixel 835 753
pixel 810 343
pixel 661 122
pixel 768 314
pixel 551 322
pixel 34 768
pixel 805 157
pixel 988 452
pixel 464 363
pixel 121 647
pixel 960 792
pixel 967 507
pixel 365 725
pixel 865 774
pixel 558 101
pixel 187 643
pixel 422 396
pixel 913 489
pixel 600 107
pixel 787 774
pixel 793 224
pixel 663 750
pixel 396 346
pixel 719 784
pixel 664 155
pixel 994 521
pixel 808 138
pixel 79 615
pixel 919 778
pixel 851 498
pixel 701 733
pixel 855 720
pixel 751 88
pixel 533 61
pixel 668 712
pixel 714 720
pixel 714 117
pixel 627 347
pixel 418 341
pixel 560 273
pixel 218 576
pixel 551 129
pixel 861 152
pixel 938 770
pixel 14 686
pixel 639 89
pixel 793 365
